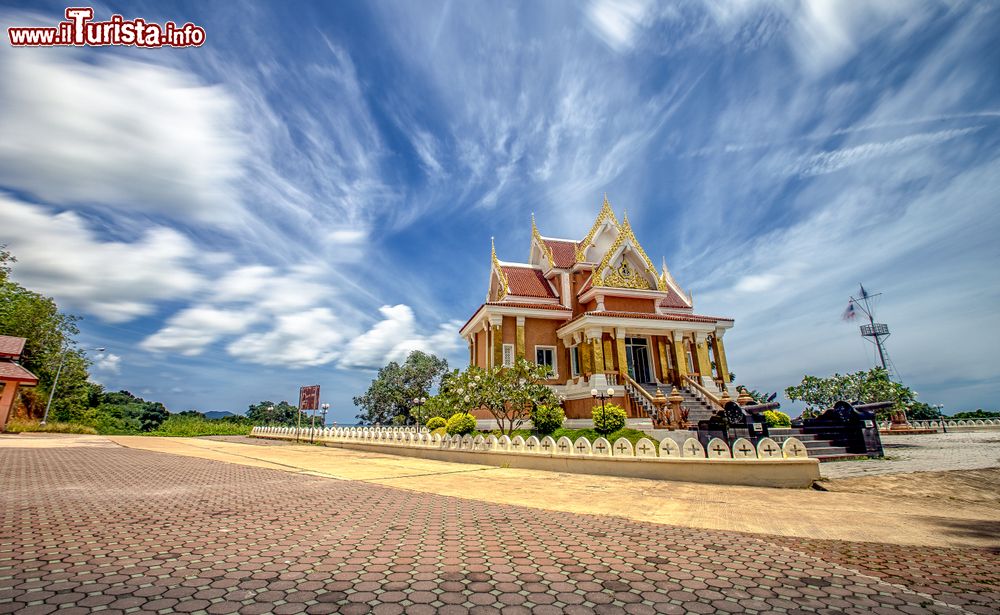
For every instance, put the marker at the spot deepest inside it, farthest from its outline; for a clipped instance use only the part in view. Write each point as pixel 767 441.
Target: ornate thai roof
pixel 603 216
pixel 526 281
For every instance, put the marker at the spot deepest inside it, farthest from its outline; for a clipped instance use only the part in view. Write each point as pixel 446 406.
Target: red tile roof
pixel 539 306
pixel 674 300
pixel 674 317
pixel 527 282
pixel 520 304
pixel 12 372
pixel 563 252
pixel 11 346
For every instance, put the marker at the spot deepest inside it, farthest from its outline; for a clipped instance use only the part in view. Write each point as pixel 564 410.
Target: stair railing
pixel 639 394
pixel 703 392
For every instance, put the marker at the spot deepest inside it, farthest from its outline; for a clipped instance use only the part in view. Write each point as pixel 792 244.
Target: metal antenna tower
pixel 875 332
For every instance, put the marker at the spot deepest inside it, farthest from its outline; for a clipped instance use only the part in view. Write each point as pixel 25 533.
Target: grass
pixel 189 427
pixel 19 426
pixel 632 435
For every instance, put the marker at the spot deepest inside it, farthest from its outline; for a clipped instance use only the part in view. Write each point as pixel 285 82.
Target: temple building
pixel 599 314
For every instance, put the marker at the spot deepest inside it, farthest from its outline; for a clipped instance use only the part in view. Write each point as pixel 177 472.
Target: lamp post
pixel 325 407
pixel 602 395
pixel 944 427
pixel 55 383
pixel 417 402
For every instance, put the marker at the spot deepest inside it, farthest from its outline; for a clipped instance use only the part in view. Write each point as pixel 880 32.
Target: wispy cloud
pixel 829 162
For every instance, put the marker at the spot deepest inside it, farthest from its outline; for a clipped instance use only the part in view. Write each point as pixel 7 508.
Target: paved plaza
pixel 956 450
pixel 89 525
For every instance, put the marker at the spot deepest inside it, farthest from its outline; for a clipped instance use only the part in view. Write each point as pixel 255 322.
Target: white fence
pixel 950 424
pixel 717 450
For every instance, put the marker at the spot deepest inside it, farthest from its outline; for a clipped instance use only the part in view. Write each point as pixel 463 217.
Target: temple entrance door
pixel 637 357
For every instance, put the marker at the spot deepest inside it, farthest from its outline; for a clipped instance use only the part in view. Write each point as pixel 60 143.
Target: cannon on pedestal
pixel 852 426
pixel 735 421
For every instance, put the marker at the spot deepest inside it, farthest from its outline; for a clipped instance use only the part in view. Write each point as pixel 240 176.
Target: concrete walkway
pixel 89 525
pixel 898 517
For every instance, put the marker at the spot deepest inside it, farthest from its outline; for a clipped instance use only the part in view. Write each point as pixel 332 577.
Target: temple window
pixel 508 355
pixel 546 355
pixel 574 361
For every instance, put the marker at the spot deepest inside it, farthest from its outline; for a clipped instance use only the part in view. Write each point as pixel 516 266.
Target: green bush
pixel 609 419
pixel 441 431
pixel 188 426
pixel 547 419
pixel 18 426
pixel 632 435
pixel 461 423
pixel 435 422
pixel 775 418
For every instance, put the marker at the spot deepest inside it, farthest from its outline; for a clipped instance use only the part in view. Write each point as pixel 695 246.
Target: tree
pixel 436 406
pixel 269 413
pixel 49 332
pixel 919 411
pixel 394 388
pixel 152 415
pixel 509 394
pixel 870 386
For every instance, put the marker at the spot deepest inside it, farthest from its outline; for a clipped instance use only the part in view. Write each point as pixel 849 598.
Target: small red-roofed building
pixel 12 374
pixel 600 314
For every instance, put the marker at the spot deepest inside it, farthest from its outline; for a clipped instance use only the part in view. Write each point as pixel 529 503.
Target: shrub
pixel 190 427
pixel 609 419
pixel 547 419
pixel 461 423
pixel 441 431
pixel 776 418
pixel 435 422
pixel 18 426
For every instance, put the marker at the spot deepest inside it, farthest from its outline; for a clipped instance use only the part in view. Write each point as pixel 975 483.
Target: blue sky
pixel 313 191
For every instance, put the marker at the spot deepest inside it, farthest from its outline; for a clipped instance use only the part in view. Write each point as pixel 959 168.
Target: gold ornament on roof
pixel 502 287
pixel 604 215
pixel 615 278
pixel 625 277
pixel 546 250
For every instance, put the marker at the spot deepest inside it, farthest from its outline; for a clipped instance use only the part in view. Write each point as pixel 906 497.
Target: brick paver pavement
pixel 123 530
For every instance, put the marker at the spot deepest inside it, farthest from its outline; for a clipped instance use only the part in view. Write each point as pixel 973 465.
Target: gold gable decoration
pixel 616 278
pixel 502 287
pixel 625 276
pixel 546 250
pixel 606 213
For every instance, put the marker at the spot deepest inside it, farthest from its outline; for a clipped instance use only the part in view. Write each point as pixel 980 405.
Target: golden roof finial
pixel 605 214
pixel 544 247
pixel 502 288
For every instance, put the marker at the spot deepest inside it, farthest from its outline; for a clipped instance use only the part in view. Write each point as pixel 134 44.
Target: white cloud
pixel 394 337
pixel 191 330
pixel 136 136
pixel 108 362
pixel 310 337
pixel 616 21
pixel 60 255
pixel 829 162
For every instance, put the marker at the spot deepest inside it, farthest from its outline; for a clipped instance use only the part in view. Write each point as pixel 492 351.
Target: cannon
pixel 734 421
pixel 851 426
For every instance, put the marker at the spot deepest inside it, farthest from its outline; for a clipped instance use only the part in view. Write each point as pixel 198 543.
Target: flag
pixel 850 312
pixel 864 293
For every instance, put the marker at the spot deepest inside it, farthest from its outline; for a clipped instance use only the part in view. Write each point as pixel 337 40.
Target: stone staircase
pixel 824 450
pixel 698 410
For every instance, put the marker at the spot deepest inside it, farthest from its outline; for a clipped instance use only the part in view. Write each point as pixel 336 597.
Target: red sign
pixel 309 398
